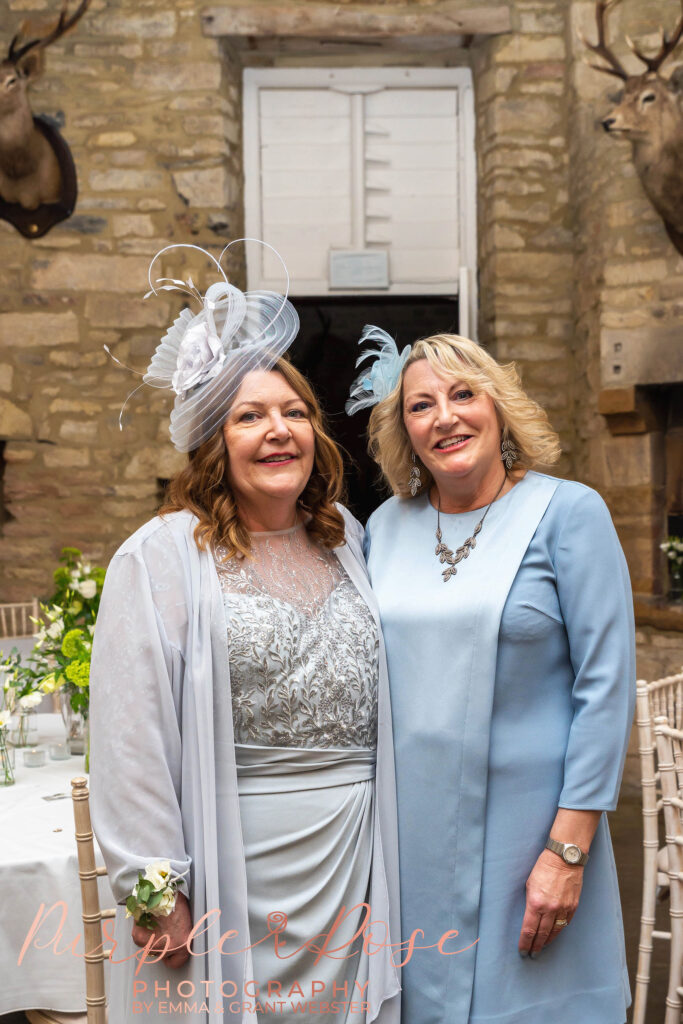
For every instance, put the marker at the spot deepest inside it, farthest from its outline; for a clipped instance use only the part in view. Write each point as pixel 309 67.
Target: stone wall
pixel 151 110
pixel 525 230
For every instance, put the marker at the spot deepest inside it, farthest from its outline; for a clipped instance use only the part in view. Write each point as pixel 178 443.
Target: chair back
pixel 670 764
pixel 93 915
pixel 15 619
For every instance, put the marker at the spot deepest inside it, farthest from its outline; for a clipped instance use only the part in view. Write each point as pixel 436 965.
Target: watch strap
pixel 563 851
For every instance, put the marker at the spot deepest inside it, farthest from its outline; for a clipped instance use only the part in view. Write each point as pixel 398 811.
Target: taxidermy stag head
pixel 31 153
pixel 649 113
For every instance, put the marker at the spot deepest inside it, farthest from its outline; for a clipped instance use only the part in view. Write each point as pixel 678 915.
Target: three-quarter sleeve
pixel 135 728
pixel 595 597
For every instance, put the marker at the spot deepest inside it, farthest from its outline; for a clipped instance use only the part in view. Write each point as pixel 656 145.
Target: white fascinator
pixel 379 379
pixel 205 355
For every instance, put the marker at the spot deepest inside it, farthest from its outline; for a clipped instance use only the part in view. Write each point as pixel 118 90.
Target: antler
pixel 666 46
pixel 63 25
pixel 601 48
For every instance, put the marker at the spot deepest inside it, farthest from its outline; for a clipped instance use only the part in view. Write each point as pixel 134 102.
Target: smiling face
pixel 271 446
pixel 454 432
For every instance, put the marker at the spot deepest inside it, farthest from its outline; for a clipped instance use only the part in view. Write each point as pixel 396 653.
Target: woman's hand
pixel 171 934
pixel 552 894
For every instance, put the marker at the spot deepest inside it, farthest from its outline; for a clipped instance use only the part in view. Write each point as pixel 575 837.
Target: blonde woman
pixel 507 615
pixel 241 728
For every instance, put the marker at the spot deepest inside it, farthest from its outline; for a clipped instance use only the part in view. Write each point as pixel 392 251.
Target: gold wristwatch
pixel 569 852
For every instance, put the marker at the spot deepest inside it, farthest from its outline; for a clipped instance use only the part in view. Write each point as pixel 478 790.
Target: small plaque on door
pixel 359 269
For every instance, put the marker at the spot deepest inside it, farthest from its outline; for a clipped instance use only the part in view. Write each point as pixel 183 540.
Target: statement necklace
pixel 442 550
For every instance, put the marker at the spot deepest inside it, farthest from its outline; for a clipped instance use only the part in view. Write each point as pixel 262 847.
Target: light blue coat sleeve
pixel 134 715
pixel 595 597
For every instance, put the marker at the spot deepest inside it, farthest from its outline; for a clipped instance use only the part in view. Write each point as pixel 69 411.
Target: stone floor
pixel 625 824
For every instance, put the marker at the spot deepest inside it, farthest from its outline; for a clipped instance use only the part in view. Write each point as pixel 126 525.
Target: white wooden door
pixel 359 162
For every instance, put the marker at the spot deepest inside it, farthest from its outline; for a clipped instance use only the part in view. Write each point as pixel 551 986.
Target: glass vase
pixel 6 772
pixel 74 724
pixel 26 732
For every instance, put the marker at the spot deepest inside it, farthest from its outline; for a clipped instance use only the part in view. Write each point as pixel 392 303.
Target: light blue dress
pixel 512 690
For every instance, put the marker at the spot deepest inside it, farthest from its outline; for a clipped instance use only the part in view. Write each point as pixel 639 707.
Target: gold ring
pixel 561 922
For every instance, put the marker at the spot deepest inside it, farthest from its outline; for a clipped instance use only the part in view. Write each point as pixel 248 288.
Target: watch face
pixel 572 854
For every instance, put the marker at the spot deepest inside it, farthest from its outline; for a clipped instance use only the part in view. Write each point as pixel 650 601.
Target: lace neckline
pixel 263 534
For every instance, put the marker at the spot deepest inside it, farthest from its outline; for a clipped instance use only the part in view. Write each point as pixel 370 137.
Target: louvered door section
pixel 411 184
pixel 372 165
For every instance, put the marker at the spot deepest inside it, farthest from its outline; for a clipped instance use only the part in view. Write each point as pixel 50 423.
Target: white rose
pixel 200 357
pixel 165 906
pixel 158 873
pixel 31 700
pixel 56 629
pixel 88 588
pixel 4 719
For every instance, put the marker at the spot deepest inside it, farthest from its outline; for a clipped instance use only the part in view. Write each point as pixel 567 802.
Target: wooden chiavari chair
pixel 669 743
pixel 660 698
pixel 93 940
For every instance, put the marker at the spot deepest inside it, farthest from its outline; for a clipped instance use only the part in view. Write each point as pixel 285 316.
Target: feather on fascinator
pixel 377 381
pixel 204 356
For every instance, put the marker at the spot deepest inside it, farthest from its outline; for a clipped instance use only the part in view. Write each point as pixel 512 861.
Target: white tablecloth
pixel 39 865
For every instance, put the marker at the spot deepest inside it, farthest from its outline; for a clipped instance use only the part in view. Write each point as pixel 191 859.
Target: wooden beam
pixel 333 21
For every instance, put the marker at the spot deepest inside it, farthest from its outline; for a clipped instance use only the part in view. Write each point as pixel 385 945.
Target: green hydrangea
pixel 71 644
pixel 78 673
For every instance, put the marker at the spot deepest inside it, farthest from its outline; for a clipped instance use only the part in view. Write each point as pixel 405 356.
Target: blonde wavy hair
pixel 202 486
pixel 523 421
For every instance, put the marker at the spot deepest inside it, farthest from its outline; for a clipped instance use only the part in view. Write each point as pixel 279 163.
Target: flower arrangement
pixel 154 894
pixel 60 659
pixel 61 655
pixel 673 548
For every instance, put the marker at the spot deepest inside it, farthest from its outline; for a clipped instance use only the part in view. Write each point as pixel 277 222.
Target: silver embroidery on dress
pixel 304 648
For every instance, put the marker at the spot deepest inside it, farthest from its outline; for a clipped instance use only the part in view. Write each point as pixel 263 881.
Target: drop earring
pixel 415 481
pixel 508 452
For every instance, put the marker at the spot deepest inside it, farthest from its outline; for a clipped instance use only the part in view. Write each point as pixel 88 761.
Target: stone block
pixel 15 451
pixel 88 408
pixel 541 265
pixel 90 273
pixel 203 187
pixel 635 272
pixel 532 114
pixel 6 376
pixel 151 204
pixel 115 139
pixel 178 77
pixel 133 224
pixel 65 458
pixel 525 49
pixel 119 311
pixel 539 22
pixel 161 461
pixel 204 124
pixel 28 330
pixel 140 25
pixel 14 422
pixel 127 180
pixel 79 431
pixel 629 460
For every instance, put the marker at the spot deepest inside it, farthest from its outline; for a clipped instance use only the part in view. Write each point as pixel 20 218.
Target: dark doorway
pixel 326 351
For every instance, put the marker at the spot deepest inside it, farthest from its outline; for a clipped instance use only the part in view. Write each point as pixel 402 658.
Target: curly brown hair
pixel 202 487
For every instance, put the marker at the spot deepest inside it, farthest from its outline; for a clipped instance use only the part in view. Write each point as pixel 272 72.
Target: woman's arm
pixel 553 888
pixel 595 599
pixel 134 723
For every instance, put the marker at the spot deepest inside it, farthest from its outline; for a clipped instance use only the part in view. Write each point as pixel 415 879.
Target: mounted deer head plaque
pixel 37 173
pixel 649 113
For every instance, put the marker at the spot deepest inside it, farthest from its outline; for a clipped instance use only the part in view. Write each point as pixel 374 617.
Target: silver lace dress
pixel 304 669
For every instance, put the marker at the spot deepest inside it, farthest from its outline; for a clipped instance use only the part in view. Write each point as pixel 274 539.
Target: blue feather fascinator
pixel 379 378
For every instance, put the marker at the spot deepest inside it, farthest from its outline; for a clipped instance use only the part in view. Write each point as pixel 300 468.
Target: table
pixel 39 865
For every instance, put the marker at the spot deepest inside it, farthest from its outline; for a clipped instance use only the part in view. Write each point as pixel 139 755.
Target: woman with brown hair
pixel 241 728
